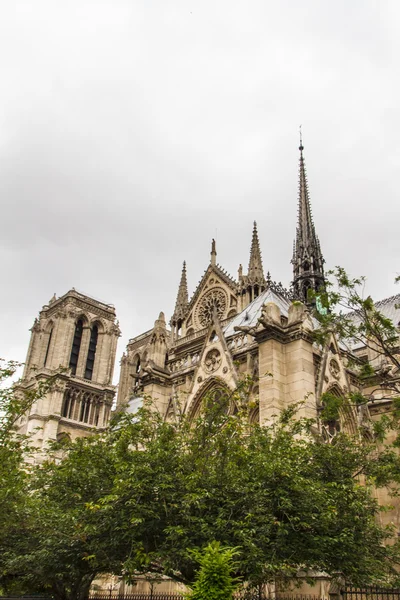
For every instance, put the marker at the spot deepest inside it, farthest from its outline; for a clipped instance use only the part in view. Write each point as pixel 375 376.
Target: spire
pixel 305 230
pixel 308 270
pixel 253 284
pixel 213 253
pixel 256 272
pixel 182 299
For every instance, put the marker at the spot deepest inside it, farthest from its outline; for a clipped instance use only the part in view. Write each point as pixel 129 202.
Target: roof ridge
pixel 386 300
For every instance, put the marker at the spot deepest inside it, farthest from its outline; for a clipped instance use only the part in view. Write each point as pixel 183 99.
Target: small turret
pixel 307 261
pixel 158 342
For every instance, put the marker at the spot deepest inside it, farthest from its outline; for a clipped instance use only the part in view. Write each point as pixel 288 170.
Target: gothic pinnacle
pixel 182 299
pixel 255 271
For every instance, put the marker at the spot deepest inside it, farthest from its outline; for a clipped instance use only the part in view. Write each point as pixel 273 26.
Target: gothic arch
pixel 136 363
pixel 82 317
pixel 48 332
pixel 96 322
pixel 49 326
pixel 254 416
pixel 213 385
pixel 347 419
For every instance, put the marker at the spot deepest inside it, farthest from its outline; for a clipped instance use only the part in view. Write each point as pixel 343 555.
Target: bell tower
pixel 73 345
pixel 307 261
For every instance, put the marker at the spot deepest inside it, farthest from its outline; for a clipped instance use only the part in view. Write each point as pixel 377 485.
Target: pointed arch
pixel 216 388
pixel 49 333
pixel 76 343
pixel 346 419
pixel 91 355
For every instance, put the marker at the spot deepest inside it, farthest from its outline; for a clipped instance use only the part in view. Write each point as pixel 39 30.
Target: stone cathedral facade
pixel 227 329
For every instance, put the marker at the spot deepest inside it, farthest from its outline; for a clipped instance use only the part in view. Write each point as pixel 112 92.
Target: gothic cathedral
pixel 227 329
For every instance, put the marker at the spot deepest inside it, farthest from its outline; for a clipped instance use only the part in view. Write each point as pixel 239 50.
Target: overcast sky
pixel 133 132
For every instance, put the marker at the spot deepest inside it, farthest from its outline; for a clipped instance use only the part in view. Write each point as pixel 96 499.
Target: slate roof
pixel 250 315
pixel 387 307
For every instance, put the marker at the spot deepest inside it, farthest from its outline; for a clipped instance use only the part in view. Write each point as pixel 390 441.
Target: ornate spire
pixel 182 299
pixel 308 270
pixel 251 285
pixel 255 272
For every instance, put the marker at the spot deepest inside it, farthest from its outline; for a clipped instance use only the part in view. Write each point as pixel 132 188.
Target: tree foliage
pixel 213 579
pixel 284 499
pixel 150 496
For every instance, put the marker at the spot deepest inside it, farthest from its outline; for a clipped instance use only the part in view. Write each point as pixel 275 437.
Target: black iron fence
pixel 370 593
pixel 242 595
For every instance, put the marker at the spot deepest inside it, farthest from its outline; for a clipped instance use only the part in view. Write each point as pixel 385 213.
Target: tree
pixel 284 499
pixel 65 541
pixel 14 471
pixel 214 580
pixel 353 318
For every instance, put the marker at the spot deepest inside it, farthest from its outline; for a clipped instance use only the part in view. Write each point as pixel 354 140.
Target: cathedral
pixel 229 328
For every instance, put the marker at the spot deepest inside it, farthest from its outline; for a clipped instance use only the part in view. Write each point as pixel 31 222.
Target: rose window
pixel 214 300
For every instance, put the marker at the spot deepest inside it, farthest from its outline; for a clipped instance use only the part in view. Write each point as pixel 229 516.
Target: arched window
pixel 48 346
pixel 91 352
pixel 76 346
pixel 218 399
pixel 306 287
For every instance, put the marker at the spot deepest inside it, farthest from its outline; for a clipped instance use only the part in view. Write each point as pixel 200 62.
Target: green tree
pixel 355 318
pixel 14 472
pixel 214 579
pixel 284 499
pixel 65 541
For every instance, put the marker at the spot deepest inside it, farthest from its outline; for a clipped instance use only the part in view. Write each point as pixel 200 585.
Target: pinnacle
pixel 182 299
pixel 255 271
pixel 305 234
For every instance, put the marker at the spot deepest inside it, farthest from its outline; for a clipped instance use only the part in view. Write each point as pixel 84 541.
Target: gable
pixel 215 366
pixel 215 292
pixel 332 373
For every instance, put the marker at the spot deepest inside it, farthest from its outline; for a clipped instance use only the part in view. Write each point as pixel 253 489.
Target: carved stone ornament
pixel 213 300
pixel 334 368
pixel 212 360
pixel 199 379
pixel 225 370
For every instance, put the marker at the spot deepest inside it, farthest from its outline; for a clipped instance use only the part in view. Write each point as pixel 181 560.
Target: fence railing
pixel 242 595
pixel 370 593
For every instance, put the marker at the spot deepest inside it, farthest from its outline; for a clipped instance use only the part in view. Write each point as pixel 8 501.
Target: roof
pixel 387 307
pixel 250 315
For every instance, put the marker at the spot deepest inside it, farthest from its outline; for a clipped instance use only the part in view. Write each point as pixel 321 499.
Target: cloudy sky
pixel 133 132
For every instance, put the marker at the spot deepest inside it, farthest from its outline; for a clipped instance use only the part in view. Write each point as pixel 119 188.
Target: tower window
pixel 306 287
pixel 91 352
pixel 48 347
pixel 76 346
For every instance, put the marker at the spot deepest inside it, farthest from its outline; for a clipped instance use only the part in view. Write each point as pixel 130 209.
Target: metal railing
pixel 370 593
pixel 242 595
